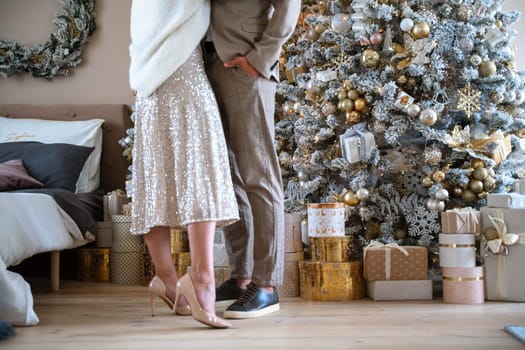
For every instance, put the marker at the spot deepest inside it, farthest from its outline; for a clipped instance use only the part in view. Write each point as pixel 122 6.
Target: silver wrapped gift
pixel 357 143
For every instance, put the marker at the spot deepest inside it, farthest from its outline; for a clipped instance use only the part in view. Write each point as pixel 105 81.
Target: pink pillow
pixel 13 176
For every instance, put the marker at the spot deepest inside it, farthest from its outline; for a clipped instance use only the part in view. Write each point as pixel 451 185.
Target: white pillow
pixel 77 132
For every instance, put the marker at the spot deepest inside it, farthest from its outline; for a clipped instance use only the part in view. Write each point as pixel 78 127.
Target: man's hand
pixel 246 66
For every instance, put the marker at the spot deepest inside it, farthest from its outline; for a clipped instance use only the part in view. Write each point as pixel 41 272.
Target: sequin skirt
pixel 180 168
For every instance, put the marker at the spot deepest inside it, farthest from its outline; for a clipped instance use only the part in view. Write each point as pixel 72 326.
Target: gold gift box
pixel 331 249
pixel 179 241
pixel 293 240
pixel 181 261
pixel 460 221
pixel 325 281
pixel 93 264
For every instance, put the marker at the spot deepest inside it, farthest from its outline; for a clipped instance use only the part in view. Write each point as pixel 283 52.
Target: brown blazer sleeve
pixel 266 52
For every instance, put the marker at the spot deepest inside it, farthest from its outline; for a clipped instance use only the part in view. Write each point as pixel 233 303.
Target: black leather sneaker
pixel 254 302
pixel 228 292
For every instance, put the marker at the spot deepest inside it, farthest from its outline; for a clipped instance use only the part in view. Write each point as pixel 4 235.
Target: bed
pixel 56 163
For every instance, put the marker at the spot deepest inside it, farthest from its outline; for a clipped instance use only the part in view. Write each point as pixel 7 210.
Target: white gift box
pixel 400 290
pixel 519 186
pixel 505 274
pixel 506 200
pixel 457 250
pixel 356 143
pixel 326 219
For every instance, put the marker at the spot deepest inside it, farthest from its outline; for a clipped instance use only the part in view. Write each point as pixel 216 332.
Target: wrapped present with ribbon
pixel 504 256
pixel 331 249
pixel 357 143
pixel 383 262
pixel 399 290
pixel 331 281
pixel 92 264
pixel 293 241
pixel 463 285
pixel 461 220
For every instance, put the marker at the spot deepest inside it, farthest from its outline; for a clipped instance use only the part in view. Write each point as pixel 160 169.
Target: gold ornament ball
pixel 458 191
pixel 438 176
pixel 476 163
pixel 370 58
pixel 312 35
pixel 476 186
pixel 360 104
pixel 480 173
pixel 402 79
pixel 468 196
pixel 487 69
pixel 346 105
pixel 427 181
pixel 400 234
pixel 350 198
pixel 341 95
pixel 319 28
pixel 483 195
pixel 353 94
pixel 490 233
pixel 498 23
pixel 489 183
pixel 353 117
pixel 347 85
pixel 420 30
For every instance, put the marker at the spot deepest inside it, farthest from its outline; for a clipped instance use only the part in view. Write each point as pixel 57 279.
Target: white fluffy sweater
pixel 164 33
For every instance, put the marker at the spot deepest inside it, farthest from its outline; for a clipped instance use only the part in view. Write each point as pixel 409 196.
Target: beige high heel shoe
pixel 157 288
pixel 185 288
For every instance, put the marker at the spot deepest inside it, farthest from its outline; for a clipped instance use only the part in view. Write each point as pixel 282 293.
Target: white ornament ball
pixel 441 194
pixel 413 110
pixel 432 204
pixel 302 175
pixel 362 194
pixel 406 24
pixel 441 206
pixel 466 44
pixel 509 96
pixel 428 117
pixel 341 23
pixel 475 60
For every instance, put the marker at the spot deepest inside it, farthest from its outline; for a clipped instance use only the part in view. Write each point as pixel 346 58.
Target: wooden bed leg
pixel 55 270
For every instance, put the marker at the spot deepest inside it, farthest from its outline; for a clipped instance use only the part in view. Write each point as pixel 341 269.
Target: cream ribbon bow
pixel 505 238
pixel 393 245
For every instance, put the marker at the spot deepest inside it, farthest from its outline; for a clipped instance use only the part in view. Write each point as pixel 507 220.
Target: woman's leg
pixel 159 246
pixel 201 237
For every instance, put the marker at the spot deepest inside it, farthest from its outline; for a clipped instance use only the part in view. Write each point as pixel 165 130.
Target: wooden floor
pixel 105 316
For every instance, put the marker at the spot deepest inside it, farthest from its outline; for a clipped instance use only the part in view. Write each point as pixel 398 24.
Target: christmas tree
pixel 400 109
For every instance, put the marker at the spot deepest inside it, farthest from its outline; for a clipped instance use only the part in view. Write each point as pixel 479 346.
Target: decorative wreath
pixel 73 24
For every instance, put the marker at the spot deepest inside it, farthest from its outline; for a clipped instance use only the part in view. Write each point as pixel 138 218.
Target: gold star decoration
pixel 468 100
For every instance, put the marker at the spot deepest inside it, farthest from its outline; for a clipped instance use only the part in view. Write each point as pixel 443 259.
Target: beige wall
pixel 102 77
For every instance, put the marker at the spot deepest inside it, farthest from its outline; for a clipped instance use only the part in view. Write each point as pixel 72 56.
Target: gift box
pixel 506 200
pixel 179 241
pixel 292 72
pixel 357 143
pixel 326 219
pixel 293 241
pixel 112 203
pixel 399 290
pixel 513 219
pixel 500 148
pixel 394 262
pixel 290 286
pixel 331 281
pixel 457 250
pixel 331 249
pixel 126 255
pixel 519 186
pixel 464 220
pixel 104 234
pixel 92 264
pixel 220 256
pixel 463 285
